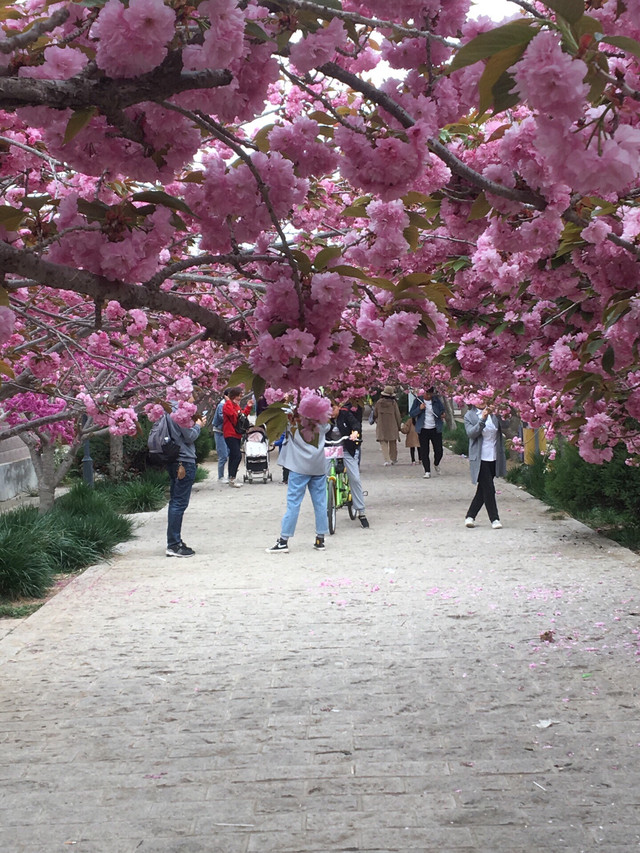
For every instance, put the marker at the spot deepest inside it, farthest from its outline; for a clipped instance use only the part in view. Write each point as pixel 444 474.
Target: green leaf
pixel 94 211
pixel 503 97
pixel 323 118
pixel 274 419
pixel 36 202
pixel 193 177
pixel 7 370
pixel 4 298
pixel 255 32
pixel 494 68
pixel 623 42
pixel 163 198
pixel 303 261
pixel 11 218
pixel 608 360
pixel 418 220
pixel 261 139
pixel 78 121
pixel 414 279
pixel 258 386
pixel 487 44
pixel 325 255
pixel 480 208
pixel 412 236
pixel 356 210
pixel 570 10
pixel 242 375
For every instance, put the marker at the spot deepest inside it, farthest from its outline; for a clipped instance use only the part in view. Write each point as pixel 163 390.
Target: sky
pixel 496 9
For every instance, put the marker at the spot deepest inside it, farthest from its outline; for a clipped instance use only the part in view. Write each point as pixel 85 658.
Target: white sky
pixel 496 9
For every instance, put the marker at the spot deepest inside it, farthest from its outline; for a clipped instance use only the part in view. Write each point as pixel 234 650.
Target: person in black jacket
pixel 345 423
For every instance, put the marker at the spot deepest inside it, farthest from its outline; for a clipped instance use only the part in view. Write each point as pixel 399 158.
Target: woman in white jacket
pixel 487 459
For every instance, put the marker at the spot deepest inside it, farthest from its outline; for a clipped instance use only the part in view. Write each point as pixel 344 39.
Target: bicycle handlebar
pixel 330 443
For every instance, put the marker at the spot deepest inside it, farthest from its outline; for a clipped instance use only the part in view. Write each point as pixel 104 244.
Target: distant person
pixel 387 418
pixel 221 445
pixel 182 475
pixel 429 413
pixel 411 440
pixel 306 464
pixel 487 459
pixel 230 411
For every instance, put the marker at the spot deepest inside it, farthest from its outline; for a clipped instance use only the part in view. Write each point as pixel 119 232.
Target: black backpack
pixel 243 423
pixel 163 448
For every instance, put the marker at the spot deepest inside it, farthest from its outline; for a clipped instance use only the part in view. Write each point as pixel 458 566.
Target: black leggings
pixel 485 493
pixel 235 456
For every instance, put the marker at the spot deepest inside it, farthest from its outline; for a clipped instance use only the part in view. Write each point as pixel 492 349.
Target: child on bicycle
pixel 345 423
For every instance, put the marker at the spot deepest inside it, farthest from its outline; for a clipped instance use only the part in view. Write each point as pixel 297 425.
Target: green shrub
pixel 456 439
pixel 204 445
pixel 87 517
pixel 532 477
pixel 140 495
pixel 201 474
pixel 25 567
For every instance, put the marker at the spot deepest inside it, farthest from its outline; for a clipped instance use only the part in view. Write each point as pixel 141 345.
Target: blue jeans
pixel 179 495
pixel 223 453
pixel 296 486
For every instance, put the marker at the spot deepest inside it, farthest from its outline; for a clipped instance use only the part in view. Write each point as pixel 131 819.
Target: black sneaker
pixel 180 550
pixel 363 520
pixel 319 543
pixel 281 547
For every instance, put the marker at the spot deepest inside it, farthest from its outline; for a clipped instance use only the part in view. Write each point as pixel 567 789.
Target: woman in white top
pixel 487 459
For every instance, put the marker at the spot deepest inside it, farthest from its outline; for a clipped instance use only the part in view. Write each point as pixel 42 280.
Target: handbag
pixel 243 423
pixel 405 428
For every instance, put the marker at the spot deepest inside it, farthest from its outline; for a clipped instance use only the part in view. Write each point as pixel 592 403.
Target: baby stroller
pixel 255 449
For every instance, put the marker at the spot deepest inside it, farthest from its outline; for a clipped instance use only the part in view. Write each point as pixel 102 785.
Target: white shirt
pixel 429 417
pixel 490 440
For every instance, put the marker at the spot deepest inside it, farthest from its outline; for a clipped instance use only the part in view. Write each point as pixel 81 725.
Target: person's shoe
pixel 496 524
pixel 426 475
pixel 281 547
pixel 387 464
pixel 234 484
pixel 469 522
pixel 319 543
pixel 437 469
pixel 180 550
pixel 223 481
pixel 364 521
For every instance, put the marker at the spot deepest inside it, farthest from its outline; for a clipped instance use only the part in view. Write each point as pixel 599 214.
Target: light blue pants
pixel 296 486
pixel 223 453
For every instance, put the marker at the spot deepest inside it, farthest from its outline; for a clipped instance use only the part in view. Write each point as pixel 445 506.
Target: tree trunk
pixel 116 456
pixel 448 410
pixel 42 452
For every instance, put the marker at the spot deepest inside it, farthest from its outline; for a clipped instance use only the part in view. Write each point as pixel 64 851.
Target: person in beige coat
pixel 412 440
pixel 387 418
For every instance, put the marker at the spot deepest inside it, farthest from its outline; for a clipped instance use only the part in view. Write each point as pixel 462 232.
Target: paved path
pixel 389 694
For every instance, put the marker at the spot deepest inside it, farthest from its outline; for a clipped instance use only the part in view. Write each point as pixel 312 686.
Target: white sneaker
pixel 426 475
pixel 224 481
pixel 437 469
pixel 496 524
pixel 469 522
pixel 235 485
pixel 386 464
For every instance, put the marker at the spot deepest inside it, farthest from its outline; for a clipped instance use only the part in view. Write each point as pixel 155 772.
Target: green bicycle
pixel 338 488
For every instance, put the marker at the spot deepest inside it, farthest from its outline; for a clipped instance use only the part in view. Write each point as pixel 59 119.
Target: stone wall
pixel 17 475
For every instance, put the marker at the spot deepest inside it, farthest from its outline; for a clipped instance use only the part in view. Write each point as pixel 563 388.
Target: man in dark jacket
pixel 429 414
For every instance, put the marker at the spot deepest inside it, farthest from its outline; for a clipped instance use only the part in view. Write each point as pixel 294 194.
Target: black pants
pixel 235 456
pixel 485 493
pixel 412 451
pixel 427 437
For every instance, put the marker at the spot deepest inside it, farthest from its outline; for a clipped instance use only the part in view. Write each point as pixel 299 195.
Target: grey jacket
pixel 298 455
pixel 474 426
pixel 185 437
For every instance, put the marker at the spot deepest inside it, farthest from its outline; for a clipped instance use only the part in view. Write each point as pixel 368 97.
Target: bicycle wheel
pixel 331 506
pixel 352 512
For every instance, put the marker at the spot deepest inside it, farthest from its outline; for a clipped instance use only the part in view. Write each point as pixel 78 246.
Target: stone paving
pixel 391 694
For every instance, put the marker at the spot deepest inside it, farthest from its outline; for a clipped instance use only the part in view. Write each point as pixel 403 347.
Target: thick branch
pixel 34 32
pixel 108 95
pixel 61 277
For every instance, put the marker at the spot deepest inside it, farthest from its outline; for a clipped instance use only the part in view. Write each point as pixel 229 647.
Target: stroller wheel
pixel 270 477
pixel 245 478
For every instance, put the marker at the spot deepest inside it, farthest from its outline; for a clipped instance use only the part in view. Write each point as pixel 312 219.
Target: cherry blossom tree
pixel 333 194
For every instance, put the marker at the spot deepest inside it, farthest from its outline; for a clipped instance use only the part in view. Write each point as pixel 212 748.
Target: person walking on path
pixel 429 413
pixel 487 459
pixel 387 418
pixel 412 441
pixel 306 464
pixel 230 411
pixel 221 445
pixel 346 424
pixel 182 475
